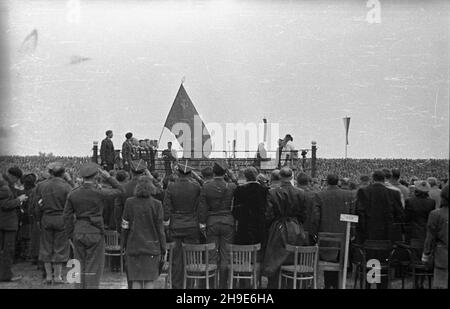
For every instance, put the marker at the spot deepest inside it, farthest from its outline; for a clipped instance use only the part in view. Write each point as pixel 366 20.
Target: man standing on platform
pixel 127 151
pixel 181 216
pixel 83 220
pixel 107 153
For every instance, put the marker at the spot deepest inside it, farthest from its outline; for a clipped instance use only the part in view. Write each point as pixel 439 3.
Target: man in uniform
pixel 54 245
pixel 83 220
pixel 215 213
pixel 181 215
pixel 107 153
pixel 9 221
pixel 127 151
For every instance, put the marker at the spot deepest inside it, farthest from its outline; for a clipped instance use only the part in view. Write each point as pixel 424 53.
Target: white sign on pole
pixel 349 219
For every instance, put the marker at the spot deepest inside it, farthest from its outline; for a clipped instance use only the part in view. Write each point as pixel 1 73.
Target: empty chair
pixel 243 263
pixel 304 268
pixel 167 267
pixel 197 265
pixel 112 247
pixel 331 253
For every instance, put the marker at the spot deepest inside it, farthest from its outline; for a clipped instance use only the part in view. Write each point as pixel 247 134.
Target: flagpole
pixel 162 131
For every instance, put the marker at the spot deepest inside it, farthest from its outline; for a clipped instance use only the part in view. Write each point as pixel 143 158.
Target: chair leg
pixel 255 283
pixel 230 278
pixel 121 264
pixel 279 280
pixel 207 279
pixel 295 280
pixel 184 281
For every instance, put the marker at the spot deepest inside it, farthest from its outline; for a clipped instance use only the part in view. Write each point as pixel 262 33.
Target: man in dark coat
pixel 286 209
pixel 250 204
pixel 9 221
pixel 311 224
pixel 417 210
pixel 181 216
pixel 107 153
pixel 54 245
pixel 216 218
pixel 83 220
pixel 127 151
pixel 334 201
pixel 378 208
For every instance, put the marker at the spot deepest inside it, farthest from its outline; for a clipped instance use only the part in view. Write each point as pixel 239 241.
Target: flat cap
pixel 55 166
pixel 89 169
pixel 220 165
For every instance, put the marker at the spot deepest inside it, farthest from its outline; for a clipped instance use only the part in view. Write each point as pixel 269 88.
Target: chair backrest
pixel 112 240
pixel 417 247
pixel 243 256
pixel 378 249
pixel 304 255
pixel 197 256
pixel 332 243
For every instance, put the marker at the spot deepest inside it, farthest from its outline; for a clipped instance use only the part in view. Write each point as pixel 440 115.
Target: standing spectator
pixel 435 192
pixel 388 184
pixel 396 183
pixel 250 203
pixel 417 209
pixel 286 210
pixel 312 206
pixel 378 208
pixel 216 218
pixel 144 238
pixel 275 179
pixel 436 242
pixel 181 203
pixel 27 217
pixel 107 152
pixel 207 174
pixel 334 201
pixel 127 151
pixel 83 221
pixel 9 221
pixel 54 244
pixel 169 156
pixel 288 150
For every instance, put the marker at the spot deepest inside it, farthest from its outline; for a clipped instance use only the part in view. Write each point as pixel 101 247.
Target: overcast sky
pixel 302 64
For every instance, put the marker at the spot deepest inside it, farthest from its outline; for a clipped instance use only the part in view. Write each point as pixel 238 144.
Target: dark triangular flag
pixel 347 126
pixel 197 142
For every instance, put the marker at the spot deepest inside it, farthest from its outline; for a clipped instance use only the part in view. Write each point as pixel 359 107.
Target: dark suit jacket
pixel 107 153
pixel 417 211
pixel 286 201
pixel 334 202
pixel 216 198
pixel 181 204
pixel 378 208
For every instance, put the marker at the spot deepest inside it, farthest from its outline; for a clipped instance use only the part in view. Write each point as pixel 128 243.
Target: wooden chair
pixel 325 243
pixel 304 268
pixel 416 268
pixel 382 250
pixel 197 264
pixel 112 247
pixel 167 268
pixel 243 263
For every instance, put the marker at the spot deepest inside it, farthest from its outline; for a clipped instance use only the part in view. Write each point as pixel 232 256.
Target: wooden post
pixel 95 152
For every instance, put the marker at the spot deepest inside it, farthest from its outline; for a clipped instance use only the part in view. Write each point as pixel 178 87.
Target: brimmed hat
pixel 55 166
pixel 422 185
pixel 89 169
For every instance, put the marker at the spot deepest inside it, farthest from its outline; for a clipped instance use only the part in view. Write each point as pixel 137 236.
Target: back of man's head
pixel 303 179
pixel 286 173
pixel 387 173
pixel 332 179
pixel 207 172
pixel 364 179
pixel 128 135
pixel 275 175
pixel 250 173
pixel 395 174
pixel 378 176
